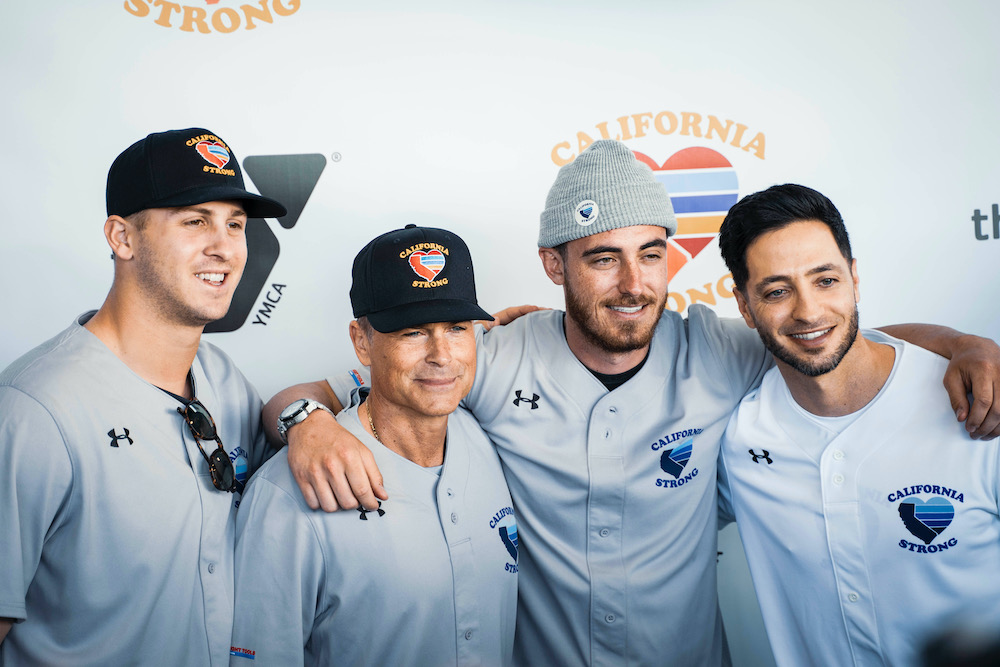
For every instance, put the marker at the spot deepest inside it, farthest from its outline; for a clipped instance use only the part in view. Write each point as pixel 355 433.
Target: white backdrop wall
pixel 458 115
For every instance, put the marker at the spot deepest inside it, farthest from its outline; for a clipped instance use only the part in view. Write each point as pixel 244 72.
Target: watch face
pixel 293 409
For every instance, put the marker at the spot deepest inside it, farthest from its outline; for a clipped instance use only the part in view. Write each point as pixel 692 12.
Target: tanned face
pixel 801 296
pixel 615 284
pixel 189 260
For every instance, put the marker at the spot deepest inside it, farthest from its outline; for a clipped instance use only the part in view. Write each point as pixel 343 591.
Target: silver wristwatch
pixel 297 412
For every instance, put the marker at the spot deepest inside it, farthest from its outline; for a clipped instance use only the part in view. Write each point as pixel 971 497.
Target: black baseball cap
pixel 412 276
pixel 181 168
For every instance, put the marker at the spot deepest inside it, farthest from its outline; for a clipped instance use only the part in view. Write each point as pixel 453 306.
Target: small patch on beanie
pixel 586 212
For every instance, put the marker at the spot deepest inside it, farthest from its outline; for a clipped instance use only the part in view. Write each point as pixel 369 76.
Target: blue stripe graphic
pixel 702 203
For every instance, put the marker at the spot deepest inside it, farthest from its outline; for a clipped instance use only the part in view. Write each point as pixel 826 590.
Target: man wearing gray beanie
pixel 607 419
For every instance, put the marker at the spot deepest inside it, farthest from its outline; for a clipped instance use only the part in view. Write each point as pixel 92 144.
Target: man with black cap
pixel 607 418
pixel 430 577
pixel 126 439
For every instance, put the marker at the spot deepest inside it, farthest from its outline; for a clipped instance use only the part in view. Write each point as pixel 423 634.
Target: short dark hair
pixel 774 208
pixel 139 219
pixel 366 327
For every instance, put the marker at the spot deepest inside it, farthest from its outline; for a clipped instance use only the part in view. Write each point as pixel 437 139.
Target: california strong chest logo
pixel 926 519
pixel 675 450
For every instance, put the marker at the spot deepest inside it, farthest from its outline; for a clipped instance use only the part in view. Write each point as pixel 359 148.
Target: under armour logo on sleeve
pixel 756 457
pixel 520 399
pixel 115 437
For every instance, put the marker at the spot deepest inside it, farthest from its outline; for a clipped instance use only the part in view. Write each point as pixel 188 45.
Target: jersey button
pixel 211 568
pixel 450 493
pixel 454 518
pixel 607 433
pixel 838 455
pixel 853 597
pixel 468 634
pixel 605 532
pixel 613 410
pixel 838 479
pixel 610 618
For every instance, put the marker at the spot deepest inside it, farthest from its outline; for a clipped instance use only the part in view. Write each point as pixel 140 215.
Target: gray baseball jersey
pixel 868 536
pixel 117 549
pixel 428 579
pixel 615 492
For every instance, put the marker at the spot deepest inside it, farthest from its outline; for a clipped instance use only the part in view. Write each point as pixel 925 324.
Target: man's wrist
pixel 295 413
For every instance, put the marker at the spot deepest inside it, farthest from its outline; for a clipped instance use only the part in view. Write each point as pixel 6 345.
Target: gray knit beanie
pixel 604 188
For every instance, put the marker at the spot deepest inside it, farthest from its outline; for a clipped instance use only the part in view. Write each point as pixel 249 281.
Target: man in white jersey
pixel 869 521
pixel 430 576
pixel 607 419
pixel 118 489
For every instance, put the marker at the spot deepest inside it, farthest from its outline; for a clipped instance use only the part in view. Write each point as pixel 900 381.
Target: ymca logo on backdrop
pixel 701 181
pixel 675 450
pixel 212 16
pixel 926 520
pixel 288 178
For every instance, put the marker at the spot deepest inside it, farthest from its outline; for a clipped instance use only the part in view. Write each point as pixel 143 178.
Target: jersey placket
pixel 605 515
pixel 839 479
pixel 215 558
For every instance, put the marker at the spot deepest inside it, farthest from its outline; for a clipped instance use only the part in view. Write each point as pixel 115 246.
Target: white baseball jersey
pixel 864 540
pixel 116 548
pixel 428 579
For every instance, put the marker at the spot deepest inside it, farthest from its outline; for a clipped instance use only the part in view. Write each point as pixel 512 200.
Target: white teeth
pixel 811 336
pixel 627 309
pixel 211 277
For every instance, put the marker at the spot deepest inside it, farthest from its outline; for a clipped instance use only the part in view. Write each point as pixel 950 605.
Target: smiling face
pixel 187 261
pixel 615 285
pixel 423 371
pixel 801 296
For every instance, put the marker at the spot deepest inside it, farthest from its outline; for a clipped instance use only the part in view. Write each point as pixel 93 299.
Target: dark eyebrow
pixel 811 272
pixel 601 249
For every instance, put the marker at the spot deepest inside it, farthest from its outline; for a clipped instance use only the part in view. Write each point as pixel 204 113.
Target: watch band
pixel 295 413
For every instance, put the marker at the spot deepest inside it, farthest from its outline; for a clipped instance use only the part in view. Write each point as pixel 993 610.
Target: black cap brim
pixel 426 312
pixel 255 206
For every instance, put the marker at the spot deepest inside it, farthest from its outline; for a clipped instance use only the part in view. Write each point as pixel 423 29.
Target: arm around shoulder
pixel 974 369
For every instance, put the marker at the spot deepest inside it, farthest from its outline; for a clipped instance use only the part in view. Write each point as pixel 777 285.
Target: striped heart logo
pixel 427 264
pixel 926 520
pixel 214 153
pixel 702 185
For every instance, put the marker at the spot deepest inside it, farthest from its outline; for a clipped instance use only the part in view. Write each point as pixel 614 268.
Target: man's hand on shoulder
pixel 975 369
pixel 333 469
pixel 508 315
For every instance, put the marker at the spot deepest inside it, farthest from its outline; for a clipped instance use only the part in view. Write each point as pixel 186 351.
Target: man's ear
pixel 552 262
pixel 362 346
pixel 118 233
pixel 744 308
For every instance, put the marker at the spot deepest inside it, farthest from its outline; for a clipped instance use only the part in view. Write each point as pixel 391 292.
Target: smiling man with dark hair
pixel 870 522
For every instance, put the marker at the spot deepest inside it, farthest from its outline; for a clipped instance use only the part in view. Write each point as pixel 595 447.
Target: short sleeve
pixel 741 354
pixel 35 483
pixel 279 577
pixel 346 383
